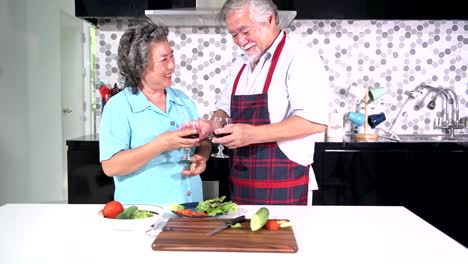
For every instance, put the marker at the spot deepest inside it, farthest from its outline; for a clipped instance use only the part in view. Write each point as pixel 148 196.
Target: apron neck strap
pixel 271 70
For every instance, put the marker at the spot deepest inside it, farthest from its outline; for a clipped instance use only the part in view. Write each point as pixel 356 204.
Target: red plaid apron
pixel 261 173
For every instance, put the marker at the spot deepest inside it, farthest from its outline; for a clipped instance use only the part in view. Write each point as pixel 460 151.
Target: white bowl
pixel 141 224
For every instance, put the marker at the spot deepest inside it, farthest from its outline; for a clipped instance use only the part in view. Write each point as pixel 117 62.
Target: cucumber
pixel 236 225
pixel 175 207
pixel 127 213
pixel 259 219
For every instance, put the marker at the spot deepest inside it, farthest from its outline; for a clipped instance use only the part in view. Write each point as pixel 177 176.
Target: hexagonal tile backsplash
pixel 396 55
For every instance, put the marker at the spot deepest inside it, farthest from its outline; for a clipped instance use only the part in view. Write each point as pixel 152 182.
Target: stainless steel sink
pixel 432 138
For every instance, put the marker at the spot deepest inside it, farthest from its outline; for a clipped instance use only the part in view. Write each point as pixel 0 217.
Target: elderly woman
pixel 142 134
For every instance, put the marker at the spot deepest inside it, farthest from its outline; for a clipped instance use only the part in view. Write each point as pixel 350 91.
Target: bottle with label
pixel 335 131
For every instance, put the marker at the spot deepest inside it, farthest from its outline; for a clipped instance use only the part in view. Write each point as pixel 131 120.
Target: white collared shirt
pixel 299 86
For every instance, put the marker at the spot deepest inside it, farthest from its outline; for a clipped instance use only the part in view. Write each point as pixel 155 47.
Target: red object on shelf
pixel 106 94
pixel 103 90
pixel 106 97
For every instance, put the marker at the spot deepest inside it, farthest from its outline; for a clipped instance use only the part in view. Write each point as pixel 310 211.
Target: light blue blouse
pixel 129 121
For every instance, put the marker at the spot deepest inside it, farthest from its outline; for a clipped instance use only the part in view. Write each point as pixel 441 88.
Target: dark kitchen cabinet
pixel 357 177
pixel 123 8
pixel 109 8
pixel 437 190
pixel 91 10
pixel 87 183
pixel 378 9
pixel 429 179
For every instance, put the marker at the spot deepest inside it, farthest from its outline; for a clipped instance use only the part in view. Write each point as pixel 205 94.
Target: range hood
pixel 204 14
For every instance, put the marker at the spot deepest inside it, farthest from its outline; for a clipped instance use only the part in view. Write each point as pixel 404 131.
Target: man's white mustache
pixel 248 46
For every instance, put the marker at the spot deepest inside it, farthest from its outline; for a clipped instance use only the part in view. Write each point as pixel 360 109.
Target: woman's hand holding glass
pixel 206 129
pixel 196 166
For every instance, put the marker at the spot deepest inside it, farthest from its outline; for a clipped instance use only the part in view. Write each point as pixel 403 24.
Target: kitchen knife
pixel 228 223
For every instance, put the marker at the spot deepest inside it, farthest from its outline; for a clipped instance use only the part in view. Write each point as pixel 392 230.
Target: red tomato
pixel 112 209
pixel 272 225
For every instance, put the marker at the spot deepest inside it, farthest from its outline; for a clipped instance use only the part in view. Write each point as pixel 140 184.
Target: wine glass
pixel 219 122
pixel 193 125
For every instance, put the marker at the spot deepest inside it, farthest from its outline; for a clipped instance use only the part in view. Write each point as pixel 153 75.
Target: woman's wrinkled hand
pixel 206 129
pixel 197 166
pixel 172 140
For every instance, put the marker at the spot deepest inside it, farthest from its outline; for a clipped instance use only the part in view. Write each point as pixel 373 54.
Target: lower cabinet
pixel 430 179
pixel 87 183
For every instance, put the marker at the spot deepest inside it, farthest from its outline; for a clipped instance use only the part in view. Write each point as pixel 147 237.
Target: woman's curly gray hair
pixel 133 52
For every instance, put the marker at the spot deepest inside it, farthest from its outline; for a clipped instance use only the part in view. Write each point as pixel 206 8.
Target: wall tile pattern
pixel 396 55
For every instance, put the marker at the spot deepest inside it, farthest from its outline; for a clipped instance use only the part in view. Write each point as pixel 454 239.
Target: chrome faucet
pixel 449 123
pixel 445 122
pixel 413 94
pixel 419 90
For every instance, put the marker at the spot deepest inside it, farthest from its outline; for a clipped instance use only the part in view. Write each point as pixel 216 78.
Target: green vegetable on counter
pixel 141 214
pixel 236 225
pixel 175 207
pixel 127 213
pixel 216 206
pixel 133 212
pixel 259 219
pixel 285 224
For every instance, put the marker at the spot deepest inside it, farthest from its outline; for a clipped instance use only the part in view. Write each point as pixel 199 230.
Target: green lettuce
pixel 141 214
pixel 216 206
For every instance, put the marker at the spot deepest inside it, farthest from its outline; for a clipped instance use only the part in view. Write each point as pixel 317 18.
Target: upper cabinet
pixel 306 9
pixel 91 10
pixel 109 8
pixel 378 9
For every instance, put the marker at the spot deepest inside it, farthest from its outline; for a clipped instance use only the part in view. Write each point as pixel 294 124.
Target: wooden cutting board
pixel 190 234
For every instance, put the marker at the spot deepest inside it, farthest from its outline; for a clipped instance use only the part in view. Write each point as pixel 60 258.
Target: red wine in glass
pixel 220 135
pixel 196 135
pixel 194 125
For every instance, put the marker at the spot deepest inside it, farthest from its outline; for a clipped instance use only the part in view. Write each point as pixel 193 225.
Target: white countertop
pixel 70 233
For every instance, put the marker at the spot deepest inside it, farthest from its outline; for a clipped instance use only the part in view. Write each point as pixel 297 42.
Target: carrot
pixel 190 212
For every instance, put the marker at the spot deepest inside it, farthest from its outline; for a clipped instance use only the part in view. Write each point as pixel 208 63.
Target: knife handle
pixel 238 219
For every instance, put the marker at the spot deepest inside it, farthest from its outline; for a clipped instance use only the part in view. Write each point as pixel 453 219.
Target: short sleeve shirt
pixel 131 120
pixel 299 86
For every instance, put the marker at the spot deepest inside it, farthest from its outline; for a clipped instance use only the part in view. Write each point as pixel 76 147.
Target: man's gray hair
pixel 134 48
pixel 259 10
